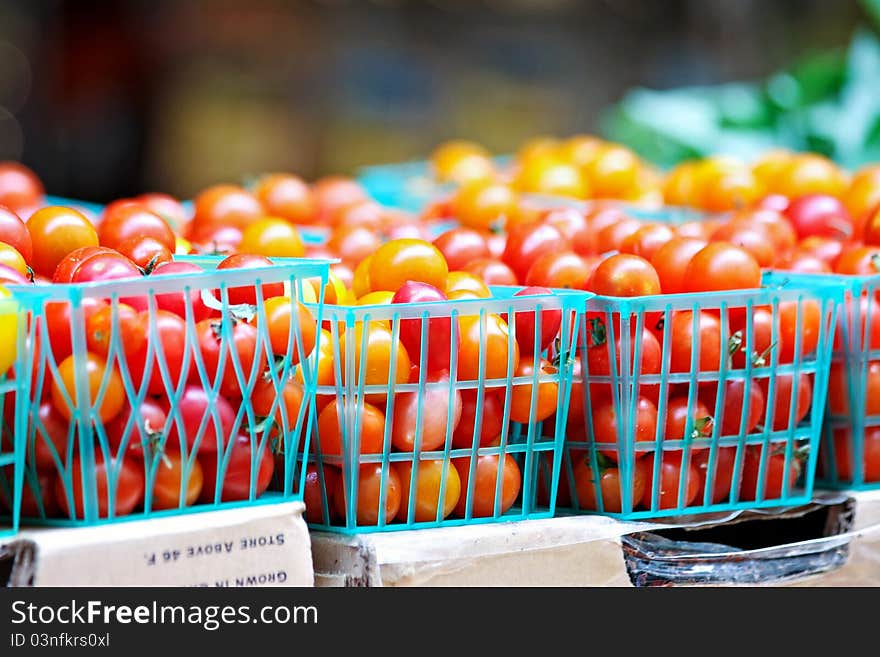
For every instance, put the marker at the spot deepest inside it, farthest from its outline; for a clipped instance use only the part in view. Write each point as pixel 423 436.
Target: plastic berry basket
pixel 660 426
pixel 12 386
pixel 362 470
pixel 850 454
pixel 232 420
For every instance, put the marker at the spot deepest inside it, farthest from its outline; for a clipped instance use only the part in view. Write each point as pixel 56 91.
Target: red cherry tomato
pixel 674 480
pixel 426 416
pixel 461 246
pixel 58 231
pixel 50 439
pixel 493 272
pixel 202 421
pixel 870 457
pixel 128 477
pixel 610 238
pixel 58 324
pixel 438 333
pixel 146 252
pixel 624 275
pixel 222 358
pixel 104 267
pixel 859 261
pixel 14 232
pixel 20 188
pixel 528 242
pixel 729 415
pixel 546 321
pixel 606 428
pixel 226 205
pixel 670 262
pixel 234 471
pixel 319 489
pixel 560 270
pixel 353 244
pixel 149 422
pixel 168 208
pixel 722 475
pixel 177 302
pixel 287 196
pixel 647 240
pixel 751 237
pixel 782 416
pixel 610 485
pixel 134 220
pixel 491 421
pixel 722 266
pixel 683 342
pixel 102 327
pixel 248 295
pixel 820 214
pixel 574 226
pixel 775 476
pixel 166 332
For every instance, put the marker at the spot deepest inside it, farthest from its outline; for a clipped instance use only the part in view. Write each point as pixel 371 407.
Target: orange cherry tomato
pixel 172 477
pixel 286 196
pixel 283 316
pixel 521 408
pixel 430 477
pixel 369 425
pixel 481 499
pixel 403 260
pixel 492 341
pixel 57 231
pixel 96 371
pixel 272 237
pixel 369 490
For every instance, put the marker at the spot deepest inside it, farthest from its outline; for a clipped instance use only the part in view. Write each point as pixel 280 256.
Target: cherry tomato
pixel 821 215
pixel 868 315
pixel 546 321
pixel 248 295
pixel 237 475
pixel 384 358
pixel 203 421
pixel 97 371
pixel 804 318
pixel 774 222
pixel 146 252
pixel 58 324
pixel 670 262
pixel 838 389
pixel 216 239
pixel 438 339
pixel 290 403
pixel 426 416
pixel 548 174
pixel 335 436
pixel 174 477
pixel 287 196
pixel 859 261
pixel 317 490
pixel 560 270
pixel 334 192
pixel 624 275
pixel 226 205
pixel 671 484
pixel 106 267
pixel 575 228
pixel 613 171
pixel 684 423
pixel 698 230
pixel 166 332
pixel 14 232
pixel 488 342
pixel 730 413
pixel 683 342
pixel 222 358
pixel 58 231
pixel 646 241
pixel 431 476
pixel 128 476
pixel 521 408
pixel 180 303
pixel 528 242
pixel 283 316
pixel 480 500
pixel 168 208
pixel 400 261
pixel 460 161
pixel 610 485
pixel 751 237
pixel 463 285
pixel 722 266
pixel 370 487
pixel 805 263
pixel 722 481
pixel 599 359
pixel 491 421
pixel 13 259
pixel 149 423
pixel 461 246
pixel 782 419
pixel 101 329
pixel 271 237
pixel 870 457
pixel 64 271
pixel 124 222
pixel 50 439
pixel 353 243
pixel 10 276
pixel 725 184
pixel 39 504
pixel 491 271
pixel 605 427
pixel 611 237
pixel 363 214
pixel 774 475
pixel 20 188
pixel 482 204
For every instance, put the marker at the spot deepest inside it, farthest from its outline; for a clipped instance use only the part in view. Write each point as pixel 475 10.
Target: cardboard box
pixel 265 545
pixel 842 548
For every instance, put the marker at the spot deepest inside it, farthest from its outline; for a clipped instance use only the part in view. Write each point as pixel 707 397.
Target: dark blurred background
pixel 106 99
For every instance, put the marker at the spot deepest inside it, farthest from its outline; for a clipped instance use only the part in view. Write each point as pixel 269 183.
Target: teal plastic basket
pixel 850 453
pixel 354 486
pixel 233 427
pixel 656 431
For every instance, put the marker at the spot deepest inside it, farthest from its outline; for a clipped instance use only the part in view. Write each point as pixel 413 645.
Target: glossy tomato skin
pixel 177 302
pixel 431 476
pixel 353 244
pixel 624 275
pixel 461 246
pixel 318 489
pixel 574 226
pixel 334 192
pixel 670 261
pixel 168 208
pixel 782 417
pixel 194 405
pixel 227 205
pixel 528 242
pixel 57 324
pixel 53 434
pixel 129 493
pixel 20 188
pixel 248 295
pixel 167 333
pixel 14 232
pixel 173 476
pixel 217 357
pixel 492 271
pixel 859 261
pixel 492 342
pixel 683 342
pixel 560 270
pixel 403 260
pixel 646 241
pixel 236 474
pixel 820 214
pixel 107 267
pixel 438 340
pixel 287 196
pixel 64 271
pixel 671 482
pixel 491 418
pixel 547 325
pixel 486 474
pixel 58 231
pixel 335 439
pixel 10 276
pixel 722 479
pixel 606 426
pixel 272 237
pixel 134 220
pixel 149 420
pixel 146 252
pixel 610 485
pixel 775 478
pixel 722 266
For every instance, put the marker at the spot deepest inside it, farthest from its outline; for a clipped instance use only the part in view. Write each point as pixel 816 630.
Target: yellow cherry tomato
pixel 272 237
pixel 10 257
